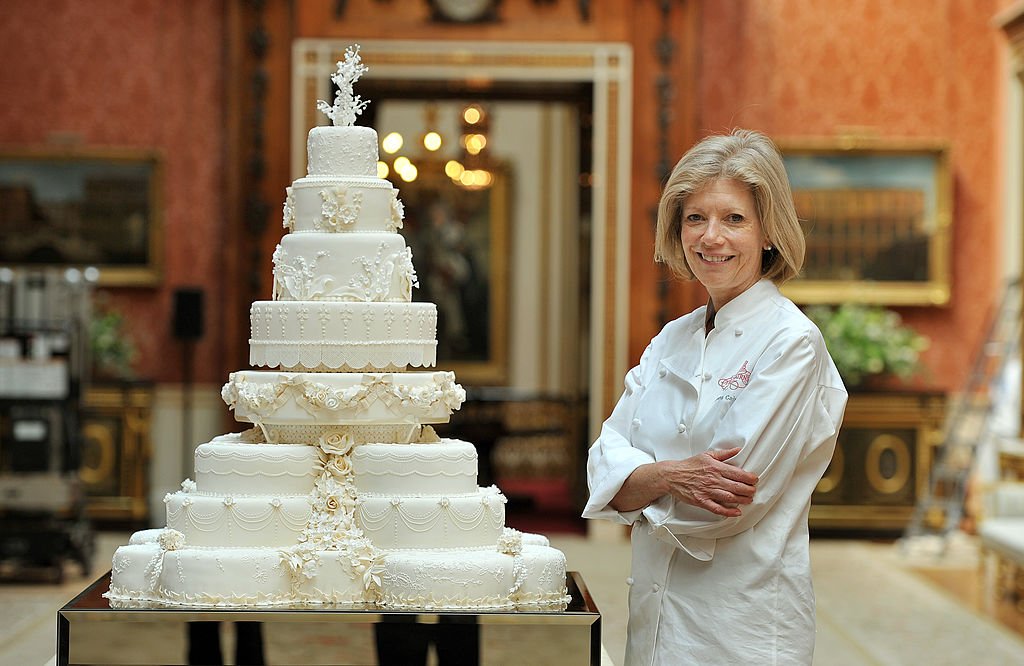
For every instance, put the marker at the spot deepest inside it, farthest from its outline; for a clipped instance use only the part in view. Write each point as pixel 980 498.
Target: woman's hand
pixel 705 480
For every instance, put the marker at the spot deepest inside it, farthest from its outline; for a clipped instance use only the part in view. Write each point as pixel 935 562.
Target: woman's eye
pixel 734 217
pixel 694 217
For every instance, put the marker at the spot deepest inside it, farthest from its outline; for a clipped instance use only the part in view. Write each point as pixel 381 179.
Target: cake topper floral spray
pixel 347 105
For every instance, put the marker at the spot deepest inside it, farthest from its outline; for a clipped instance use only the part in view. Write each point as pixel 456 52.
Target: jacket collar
pixel 755 299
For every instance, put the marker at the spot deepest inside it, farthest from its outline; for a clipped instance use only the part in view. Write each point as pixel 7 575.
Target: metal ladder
pixel 938 513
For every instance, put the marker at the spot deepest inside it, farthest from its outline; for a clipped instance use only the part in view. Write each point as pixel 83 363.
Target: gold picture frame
pixel 83 207
pixel 877 216
pixel 459 242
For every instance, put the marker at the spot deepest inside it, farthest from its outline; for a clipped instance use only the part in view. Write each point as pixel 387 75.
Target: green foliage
pixel 112 350
pixel 868 340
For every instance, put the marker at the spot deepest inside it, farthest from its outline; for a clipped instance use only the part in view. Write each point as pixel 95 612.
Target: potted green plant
pixel 868 341
pixel 113 352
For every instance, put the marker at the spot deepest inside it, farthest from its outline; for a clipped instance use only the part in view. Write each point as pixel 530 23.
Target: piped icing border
pixel 269 397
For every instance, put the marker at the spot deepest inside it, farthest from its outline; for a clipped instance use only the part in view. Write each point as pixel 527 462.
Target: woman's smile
pixel 722 238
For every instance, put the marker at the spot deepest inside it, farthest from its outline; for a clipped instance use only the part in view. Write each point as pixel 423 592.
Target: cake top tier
pixel 342 151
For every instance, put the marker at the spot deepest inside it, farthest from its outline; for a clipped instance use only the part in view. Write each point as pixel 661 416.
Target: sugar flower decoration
pixel 510 542
pixel 336 443
pixel 171 539
pixel 347 105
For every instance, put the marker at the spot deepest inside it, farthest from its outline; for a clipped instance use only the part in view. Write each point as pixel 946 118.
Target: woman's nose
pixel 712 233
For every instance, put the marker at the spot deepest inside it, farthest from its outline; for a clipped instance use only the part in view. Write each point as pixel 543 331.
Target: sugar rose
pixel 336 443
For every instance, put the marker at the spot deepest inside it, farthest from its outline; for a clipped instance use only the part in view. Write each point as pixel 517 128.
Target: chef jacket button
pixel 707 376
pixel 657 588
pixel 636 423
pixel 629 581
pixel 739 332
pixel 662 372
pixel 681 427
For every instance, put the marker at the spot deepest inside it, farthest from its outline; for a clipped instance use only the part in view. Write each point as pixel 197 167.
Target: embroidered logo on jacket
pixel 737 381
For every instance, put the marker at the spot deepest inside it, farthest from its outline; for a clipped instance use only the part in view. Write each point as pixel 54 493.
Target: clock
pixel 464 11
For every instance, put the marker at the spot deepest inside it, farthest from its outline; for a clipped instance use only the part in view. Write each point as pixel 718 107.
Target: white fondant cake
pixel 343 204
pixel 343 336
pixel 367 268
pixel 242 469
pixel 341 493
pixel 342 151
pixel 450 466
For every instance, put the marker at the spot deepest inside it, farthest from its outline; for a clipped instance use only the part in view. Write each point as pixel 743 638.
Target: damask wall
pixel 140 74
pixel 152 74
pixel 889 70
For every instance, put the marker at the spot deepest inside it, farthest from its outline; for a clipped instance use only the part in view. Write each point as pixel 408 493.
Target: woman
pixel 725 427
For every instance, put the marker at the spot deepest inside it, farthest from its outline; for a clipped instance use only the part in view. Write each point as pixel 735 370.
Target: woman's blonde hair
pixel 751 158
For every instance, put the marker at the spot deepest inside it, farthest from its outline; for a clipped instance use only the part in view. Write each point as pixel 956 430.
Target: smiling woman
pixel 753 163
pixel 722 239
pixel 726 425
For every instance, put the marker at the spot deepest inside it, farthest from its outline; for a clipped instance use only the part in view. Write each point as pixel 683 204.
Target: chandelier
pixel 471 167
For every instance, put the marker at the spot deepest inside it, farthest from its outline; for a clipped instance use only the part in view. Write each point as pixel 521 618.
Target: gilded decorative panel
pixel 882 461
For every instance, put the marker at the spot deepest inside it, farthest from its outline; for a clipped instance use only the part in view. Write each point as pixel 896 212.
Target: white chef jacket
pixel 706 589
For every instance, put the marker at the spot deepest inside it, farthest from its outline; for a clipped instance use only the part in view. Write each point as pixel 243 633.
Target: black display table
pixel 89 631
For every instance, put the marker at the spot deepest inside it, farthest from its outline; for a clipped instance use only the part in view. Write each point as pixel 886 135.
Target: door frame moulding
pixel 606 66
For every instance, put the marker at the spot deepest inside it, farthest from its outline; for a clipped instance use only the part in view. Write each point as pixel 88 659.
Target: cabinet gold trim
pixel 873 469
pixel 834 474
pixel 854 493
pixel 117 418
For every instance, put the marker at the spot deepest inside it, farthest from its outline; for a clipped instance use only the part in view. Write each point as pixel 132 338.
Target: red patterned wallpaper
pixel 150 74
pixel 141 74
pixel 894 70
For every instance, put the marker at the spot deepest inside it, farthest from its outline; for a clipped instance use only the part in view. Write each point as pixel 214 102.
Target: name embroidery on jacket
pixel 737 381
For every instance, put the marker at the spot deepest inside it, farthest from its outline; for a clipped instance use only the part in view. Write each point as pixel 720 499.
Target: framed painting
pixel 80 208
pixel 458 237
pixel 877 219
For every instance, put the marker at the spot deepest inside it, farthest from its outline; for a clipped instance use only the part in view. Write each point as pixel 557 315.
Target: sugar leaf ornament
pixel 347 105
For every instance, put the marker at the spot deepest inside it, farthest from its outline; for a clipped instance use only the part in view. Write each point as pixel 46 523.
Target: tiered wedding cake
pixel 341 493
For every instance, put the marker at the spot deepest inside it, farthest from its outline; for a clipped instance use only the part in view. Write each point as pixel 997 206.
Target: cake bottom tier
pixel 228 577
pixel 478 580
pixel 145 571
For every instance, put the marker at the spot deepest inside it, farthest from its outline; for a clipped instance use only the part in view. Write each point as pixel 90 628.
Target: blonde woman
pixel 725 426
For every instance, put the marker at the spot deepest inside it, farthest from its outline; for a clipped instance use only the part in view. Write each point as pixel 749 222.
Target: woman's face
pixel 722 238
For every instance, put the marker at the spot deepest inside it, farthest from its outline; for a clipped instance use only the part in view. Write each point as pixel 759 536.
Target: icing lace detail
pixel 296 279
pixel 120 563
pixel 374 284
pixel 312 434
pixel 397 212
pixel 339 211
pixel 289 210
